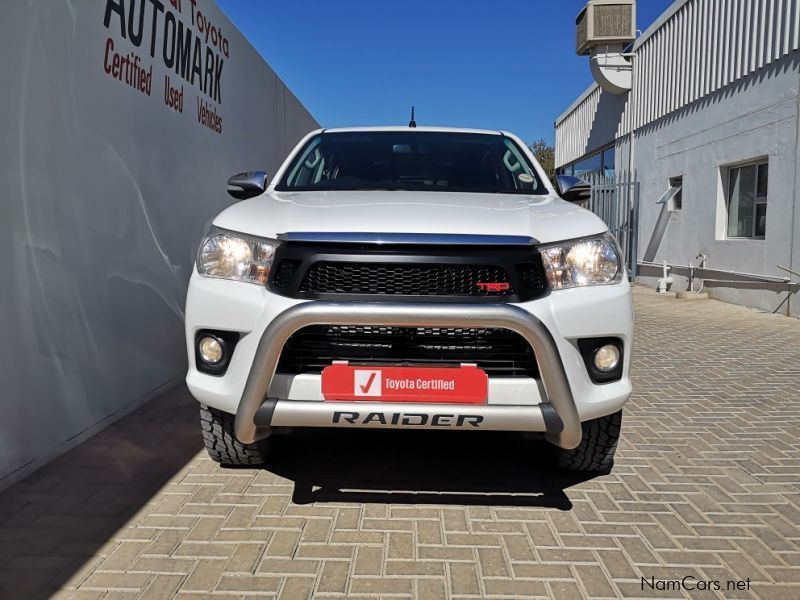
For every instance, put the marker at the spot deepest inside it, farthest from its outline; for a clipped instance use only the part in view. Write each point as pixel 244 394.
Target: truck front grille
pixel 499 352
pixel 404 279
pixel 388 273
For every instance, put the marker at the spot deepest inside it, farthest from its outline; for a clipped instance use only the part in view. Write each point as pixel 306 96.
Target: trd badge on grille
pixel 493 286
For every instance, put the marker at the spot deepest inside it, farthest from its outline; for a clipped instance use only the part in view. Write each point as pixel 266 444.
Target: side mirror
pixel 573 189
pixel 247 185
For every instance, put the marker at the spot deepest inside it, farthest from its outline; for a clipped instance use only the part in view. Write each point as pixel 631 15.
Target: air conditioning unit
pixel 604 30
pixel 604 23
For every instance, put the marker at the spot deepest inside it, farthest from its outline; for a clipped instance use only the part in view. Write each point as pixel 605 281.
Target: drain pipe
pixel 665 282
pixel 690 294
pixel 702 258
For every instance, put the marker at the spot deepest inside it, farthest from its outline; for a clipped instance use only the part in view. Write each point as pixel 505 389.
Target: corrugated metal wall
pixel 700 47
pixel 591 125
pixel 708 44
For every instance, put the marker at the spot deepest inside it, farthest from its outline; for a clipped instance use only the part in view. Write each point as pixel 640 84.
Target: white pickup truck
pixel 410 278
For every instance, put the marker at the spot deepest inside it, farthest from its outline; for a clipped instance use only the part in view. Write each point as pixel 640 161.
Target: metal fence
pixel 616 200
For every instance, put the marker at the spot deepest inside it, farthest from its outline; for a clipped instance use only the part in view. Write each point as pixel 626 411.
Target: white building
pixel 121 122
pixel 713 116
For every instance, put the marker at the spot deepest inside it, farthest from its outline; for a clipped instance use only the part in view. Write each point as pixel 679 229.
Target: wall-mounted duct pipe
pixel 612 68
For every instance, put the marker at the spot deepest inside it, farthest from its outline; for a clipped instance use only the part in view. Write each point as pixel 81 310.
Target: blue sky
pixel 462 63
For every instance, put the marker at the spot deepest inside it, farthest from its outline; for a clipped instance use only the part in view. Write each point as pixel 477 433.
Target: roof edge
pixel 428 128
pixel 659 22
pixel 576 103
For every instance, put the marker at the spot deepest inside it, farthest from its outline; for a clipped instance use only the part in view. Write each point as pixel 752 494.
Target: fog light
pixel 211 350
pixel 606 358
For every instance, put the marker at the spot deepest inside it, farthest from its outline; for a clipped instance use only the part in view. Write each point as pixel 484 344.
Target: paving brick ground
pixel 707 485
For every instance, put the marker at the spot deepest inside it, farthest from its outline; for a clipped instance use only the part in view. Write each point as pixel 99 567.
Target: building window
pixel 747 200
pixel 676 183
pixel 592 164
pixel 601 163
pixel 609 155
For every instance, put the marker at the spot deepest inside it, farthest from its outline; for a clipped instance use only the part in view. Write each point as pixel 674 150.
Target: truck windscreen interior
pixel 420 161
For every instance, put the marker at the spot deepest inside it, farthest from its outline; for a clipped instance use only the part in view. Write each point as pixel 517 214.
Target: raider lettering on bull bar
pixel 420 419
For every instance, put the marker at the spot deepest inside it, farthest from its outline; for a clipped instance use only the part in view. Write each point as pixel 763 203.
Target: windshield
pixel 409 160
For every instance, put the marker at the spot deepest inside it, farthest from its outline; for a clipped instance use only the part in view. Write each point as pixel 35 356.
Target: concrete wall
pixel 756 117
pixel 106 190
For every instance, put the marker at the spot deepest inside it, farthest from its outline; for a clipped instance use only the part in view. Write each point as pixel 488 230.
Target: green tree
pixel 546 155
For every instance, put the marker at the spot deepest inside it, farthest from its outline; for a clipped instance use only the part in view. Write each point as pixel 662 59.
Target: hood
pixel 545 218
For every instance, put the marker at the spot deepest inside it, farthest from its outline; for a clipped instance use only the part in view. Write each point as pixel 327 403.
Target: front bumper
pixel 565 395
pixel 507 316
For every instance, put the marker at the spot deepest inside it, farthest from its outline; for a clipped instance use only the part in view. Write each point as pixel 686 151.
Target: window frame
pixel 757 200
pixel 602 152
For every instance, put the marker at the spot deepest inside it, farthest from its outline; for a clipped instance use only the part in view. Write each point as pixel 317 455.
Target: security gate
pixel 615 199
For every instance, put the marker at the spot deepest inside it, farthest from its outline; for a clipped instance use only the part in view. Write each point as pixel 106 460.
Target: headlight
pixel 577 263
pixel 229 255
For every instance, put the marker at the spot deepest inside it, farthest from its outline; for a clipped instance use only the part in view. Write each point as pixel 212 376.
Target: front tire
pixel 221 442
pixel 596 451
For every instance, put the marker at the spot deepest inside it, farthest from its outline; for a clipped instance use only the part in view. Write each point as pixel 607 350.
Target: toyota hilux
pixel 410 277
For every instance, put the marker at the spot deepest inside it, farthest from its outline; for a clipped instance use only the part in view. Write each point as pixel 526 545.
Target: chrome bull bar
pixel 251 425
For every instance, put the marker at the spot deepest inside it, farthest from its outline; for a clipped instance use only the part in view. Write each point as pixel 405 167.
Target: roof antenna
pixel 412 122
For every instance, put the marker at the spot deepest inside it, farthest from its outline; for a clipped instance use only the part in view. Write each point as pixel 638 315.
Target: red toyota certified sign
pixel 466 384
